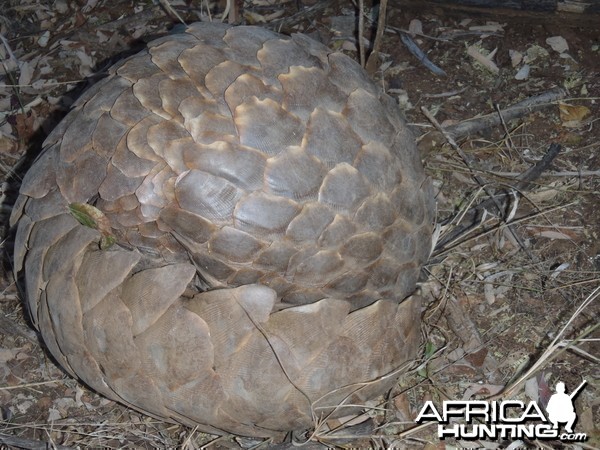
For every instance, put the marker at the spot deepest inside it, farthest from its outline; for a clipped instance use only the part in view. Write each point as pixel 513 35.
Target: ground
pixel 502 300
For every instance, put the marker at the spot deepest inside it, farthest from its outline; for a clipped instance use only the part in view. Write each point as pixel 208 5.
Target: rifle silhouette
pixel 576 391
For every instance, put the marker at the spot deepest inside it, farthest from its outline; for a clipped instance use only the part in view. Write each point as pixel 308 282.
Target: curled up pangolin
pixel 223 233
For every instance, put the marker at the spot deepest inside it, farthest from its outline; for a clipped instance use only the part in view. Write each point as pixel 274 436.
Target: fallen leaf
pixel 477 358
pixel 402 405
pixel 558 44
pixel 53 414
pixel 6 354
pixel 523 73
pixel 415 27
pixel 253 18
pixel 482 389
pixel 532 389
pixel 557 233
pixel 515 57
pixel 572 113
pixel 553 235
pixel 482 59
pixel 536 52
pixel 26 72
pixel 490 27
pixel 43 39
pixel 7 144
pixel 556 272
pixel 544 390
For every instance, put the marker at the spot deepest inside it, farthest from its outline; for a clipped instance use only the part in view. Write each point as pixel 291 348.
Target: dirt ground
pixel 505 296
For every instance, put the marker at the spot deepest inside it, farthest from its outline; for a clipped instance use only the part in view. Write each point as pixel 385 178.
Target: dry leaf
pixel 563 234
pixel 253 18
pixel 490 27
pixel 7 144
pixel 477 358
pixel 515 57
pixel 558 44
pixel 532 389
pixel 536 52
pixel 571 115
pixel 485 61
pixel 482 389
pixel 415 27
pixel 556 272
pixel 43 39
pixel 543 195
pixel 6 354
pixel 26 72
pixel 523 73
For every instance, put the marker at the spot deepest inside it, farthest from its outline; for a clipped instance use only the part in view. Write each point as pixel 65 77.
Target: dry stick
pixel 565 173
pixel 373 60
pixel 304 14
pixel 361 24
pixel 30 444
pixel 499 227
pixel 473 339
pixel 131 21
pixel 171 11
pixel 511 144
pixel 462 155
pixel 515 111
pixel 534 172
pixel 525 181
pixel 420 55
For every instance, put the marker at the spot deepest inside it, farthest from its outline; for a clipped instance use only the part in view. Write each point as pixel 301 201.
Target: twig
pixel 361 24
pixel 446 94
pixel 462 154
pixel 485 61
pixel 420 55
pixel 534 172
pixel 565 173
pixel 30 385
pixel 132 20
pixel 373 59
pixel 555 348
pixel 524 183
pixel 448 245
pixel 515 111
pixel 426 36
pixel 304 14
pixel 511 144
pixel 30 444
pixel 171 11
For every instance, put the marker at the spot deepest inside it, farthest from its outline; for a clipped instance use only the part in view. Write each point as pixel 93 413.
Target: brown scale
pixel 271 217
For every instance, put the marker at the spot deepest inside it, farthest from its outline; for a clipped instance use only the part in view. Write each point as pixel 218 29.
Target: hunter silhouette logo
pixel 507 419
pixel 560 406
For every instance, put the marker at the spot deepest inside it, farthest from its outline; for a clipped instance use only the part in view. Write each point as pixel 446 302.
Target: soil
pixel 496 298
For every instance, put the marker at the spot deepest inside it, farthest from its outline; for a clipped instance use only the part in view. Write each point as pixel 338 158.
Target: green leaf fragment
pixel 429 352
pixel 91 217
pixel 107 242
pixel 85 214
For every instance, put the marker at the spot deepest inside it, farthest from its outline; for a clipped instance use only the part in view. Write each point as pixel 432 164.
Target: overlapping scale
pixel 270 218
